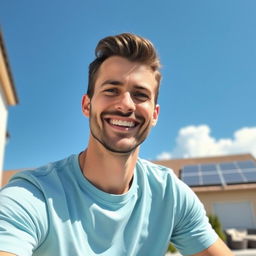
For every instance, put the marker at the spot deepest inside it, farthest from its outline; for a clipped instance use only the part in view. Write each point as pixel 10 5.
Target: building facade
pixel 234 200
pixel 8 97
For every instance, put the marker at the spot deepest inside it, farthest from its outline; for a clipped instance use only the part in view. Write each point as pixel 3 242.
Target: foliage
pixel 216 225
pixel 171 248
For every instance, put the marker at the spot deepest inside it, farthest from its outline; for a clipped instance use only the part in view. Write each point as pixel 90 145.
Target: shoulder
pixel 46 175
pixel 158 171
pixel 23 205
pixel 165 177
pixel 152 168
pixel 158 174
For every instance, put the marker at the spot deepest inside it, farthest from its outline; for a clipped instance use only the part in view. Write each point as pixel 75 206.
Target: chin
pixel 120 146
pixel 122 149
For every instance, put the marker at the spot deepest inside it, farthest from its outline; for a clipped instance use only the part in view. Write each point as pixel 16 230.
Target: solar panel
pixel 228 166
pixel 250 176
pixel 233 178
pixel 191 180
pixel 246 164
pixel 190 169
pixel 238 172
pixel 211 179
pixel 208 167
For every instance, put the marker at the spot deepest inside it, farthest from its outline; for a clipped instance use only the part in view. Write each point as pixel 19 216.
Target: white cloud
pixel 196 141
pixel 164 156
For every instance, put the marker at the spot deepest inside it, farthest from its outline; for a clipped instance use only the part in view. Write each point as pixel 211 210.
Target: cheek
pixel 96 111
pixel 147 112
pixel 151 114
pixel 100 102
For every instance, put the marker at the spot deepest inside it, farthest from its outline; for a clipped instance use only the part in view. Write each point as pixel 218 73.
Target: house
pixel 226 185
pixel 216 182
pixel 8 97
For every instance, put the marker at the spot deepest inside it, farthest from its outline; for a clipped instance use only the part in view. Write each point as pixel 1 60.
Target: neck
pixel 108 171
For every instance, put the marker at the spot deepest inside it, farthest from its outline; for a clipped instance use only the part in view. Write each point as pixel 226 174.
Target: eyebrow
pixel 112 82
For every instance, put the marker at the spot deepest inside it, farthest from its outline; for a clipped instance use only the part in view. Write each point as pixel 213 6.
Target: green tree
pixel 216 225
pixel 171 248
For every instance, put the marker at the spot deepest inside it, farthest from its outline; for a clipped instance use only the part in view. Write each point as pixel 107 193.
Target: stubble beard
pixel 104 139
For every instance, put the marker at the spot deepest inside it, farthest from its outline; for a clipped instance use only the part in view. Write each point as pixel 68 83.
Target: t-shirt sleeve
pixel 192 231
pixel 23 218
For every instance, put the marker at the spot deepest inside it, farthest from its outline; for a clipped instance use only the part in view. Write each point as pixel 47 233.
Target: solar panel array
pixel 227 173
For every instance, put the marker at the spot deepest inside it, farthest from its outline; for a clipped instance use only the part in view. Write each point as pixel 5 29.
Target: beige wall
pixel 209 198
pixel 3 124
pixel 8 97
pixel 230 196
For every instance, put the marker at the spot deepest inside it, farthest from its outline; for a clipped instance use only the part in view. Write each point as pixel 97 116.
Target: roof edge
pixel 6 77
pixel 208 158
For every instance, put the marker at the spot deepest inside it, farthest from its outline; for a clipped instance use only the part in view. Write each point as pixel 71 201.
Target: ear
pixel 86 105
pixel 155 115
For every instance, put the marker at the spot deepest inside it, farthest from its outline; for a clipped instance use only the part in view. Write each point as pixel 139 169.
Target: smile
pixel 121 123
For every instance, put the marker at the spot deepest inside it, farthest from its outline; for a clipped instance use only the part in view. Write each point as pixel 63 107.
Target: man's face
pixel 122 109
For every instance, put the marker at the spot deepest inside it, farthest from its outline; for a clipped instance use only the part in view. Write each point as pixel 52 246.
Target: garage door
pixel 235 215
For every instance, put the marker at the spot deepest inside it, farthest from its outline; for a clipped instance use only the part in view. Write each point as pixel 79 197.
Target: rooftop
pixel 178 164
pixel 6 78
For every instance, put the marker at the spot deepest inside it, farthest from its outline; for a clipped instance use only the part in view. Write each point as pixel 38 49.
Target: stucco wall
pixel 230 196
pixel 3 124
pixel 208 198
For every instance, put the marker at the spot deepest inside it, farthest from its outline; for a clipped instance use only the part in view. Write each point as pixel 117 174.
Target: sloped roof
pixel 177 164
pixel 6 79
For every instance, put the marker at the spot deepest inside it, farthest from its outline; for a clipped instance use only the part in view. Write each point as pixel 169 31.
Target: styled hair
pixel 127 45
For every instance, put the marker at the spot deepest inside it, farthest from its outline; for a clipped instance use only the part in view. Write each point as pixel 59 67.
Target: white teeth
pixel 122 123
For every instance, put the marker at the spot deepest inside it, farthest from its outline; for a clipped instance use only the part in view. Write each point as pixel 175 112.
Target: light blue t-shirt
pixel 55 210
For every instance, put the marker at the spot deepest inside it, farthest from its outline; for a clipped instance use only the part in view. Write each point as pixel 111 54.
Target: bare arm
pixel 217 249
pixel 6 254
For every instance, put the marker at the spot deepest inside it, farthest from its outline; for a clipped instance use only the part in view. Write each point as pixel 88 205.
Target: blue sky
pixel 208 53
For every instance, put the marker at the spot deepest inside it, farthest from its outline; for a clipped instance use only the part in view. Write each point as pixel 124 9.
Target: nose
pixel 125 103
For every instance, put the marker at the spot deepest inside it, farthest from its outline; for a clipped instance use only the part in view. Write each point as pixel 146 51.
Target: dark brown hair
pixel 127 45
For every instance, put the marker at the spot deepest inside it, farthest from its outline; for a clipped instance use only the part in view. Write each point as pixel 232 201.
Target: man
pixel 106 200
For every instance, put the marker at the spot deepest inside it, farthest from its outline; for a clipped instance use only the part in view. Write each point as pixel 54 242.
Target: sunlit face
pixel 122 109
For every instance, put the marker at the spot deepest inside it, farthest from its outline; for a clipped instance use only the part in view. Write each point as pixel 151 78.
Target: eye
pixel 141 96
pixel 111 91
